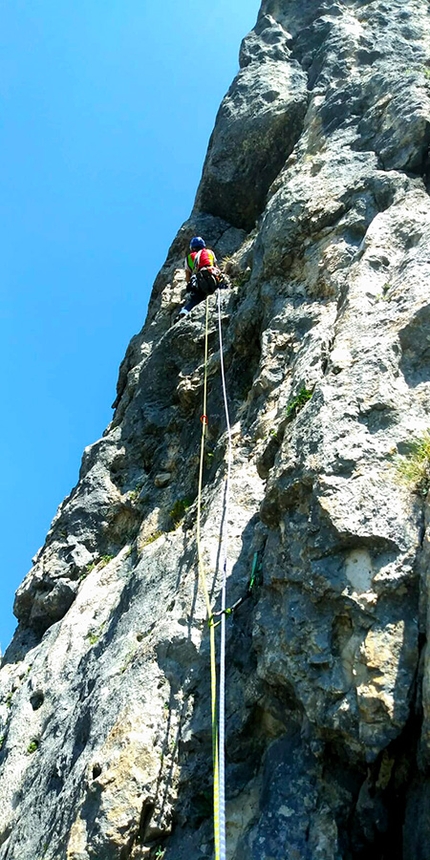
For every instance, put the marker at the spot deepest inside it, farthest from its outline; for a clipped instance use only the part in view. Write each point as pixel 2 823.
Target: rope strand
pixel 218 725
pixel 224 540
pixel 203 582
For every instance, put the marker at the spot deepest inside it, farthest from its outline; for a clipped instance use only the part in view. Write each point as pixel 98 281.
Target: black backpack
pixel 207 280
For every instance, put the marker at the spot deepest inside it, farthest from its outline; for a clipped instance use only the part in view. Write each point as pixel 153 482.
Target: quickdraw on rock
pixel 254 579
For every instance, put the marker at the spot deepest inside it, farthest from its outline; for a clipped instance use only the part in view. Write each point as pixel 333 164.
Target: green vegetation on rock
pixel 179 510
pixel 298 402
pixel 414 467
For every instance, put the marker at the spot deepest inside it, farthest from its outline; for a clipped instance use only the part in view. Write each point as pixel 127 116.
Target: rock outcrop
pixel 314 192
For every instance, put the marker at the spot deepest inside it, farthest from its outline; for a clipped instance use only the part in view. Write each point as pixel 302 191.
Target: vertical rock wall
pixel 314 191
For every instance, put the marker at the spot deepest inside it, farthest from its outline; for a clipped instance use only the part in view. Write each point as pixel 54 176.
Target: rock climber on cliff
pixel 202 275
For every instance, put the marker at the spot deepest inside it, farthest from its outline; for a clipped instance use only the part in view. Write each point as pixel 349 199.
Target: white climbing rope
pixel 224 558
pixel 204 586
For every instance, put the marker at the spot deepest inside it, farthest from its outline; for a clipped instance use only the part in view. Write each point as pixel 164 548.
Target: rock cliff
pixel 314 192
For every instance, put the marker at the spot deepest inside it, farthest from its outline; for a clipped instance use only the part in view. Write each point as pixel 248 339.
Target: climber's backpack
pixel 208 279
pixel 207 272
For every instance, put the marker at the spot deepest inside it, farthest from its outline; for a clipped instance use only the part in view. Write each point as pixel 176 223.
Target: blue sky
pixel 107 108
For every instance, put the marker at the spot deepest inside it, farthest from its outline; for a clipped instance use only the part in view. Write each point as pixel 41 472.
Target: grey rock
pixel 314 191
pixel 257 126
pixel 162 479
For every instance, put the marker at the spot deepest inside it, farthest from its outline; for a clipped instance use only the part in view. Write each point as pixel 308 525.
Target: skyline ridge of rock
pixel 315 193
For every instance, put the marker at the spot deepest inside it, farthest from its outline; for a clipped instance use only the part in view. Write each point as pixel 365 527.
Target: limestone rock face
pixel 258 124
pixel 314 192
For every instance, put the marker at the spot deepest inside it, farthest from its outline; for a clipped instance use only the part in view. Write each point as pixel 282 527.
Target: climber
pixel 202 275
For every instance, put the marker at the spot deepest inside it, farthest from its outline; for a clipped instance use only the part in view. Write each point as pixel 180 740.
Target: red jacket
pixel 203 259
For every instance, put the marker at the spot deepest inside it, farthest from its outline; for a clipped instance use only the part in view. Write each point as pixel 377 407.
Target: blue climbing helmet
pixel 197 243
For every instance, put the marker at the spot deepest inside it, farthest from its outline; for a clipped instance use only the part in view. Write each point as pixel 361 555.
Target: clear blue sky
pixel 107 107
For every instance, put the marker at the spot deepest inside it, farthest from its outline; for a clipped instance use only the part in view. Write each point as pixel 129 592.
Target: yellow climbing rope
pixel 204 586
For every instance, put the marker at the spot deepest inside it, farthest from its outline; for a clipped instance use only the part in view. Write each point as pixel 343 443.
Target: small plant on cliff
pixel 179 510
pixel 128 659
pixel 134 494
pixel 100 562
pixel 33 746
pixel 151 538
pixel 89 568
pixel 298 402
pixel 238 276
pixel 209 459
pixel 94 634
pixel 414 467
pixel 241 278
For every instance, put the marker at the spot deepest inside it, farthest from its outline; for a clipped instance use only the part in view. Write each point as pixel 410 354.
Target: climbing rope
pixel 217 715
pixel 224 556
pixel 203 582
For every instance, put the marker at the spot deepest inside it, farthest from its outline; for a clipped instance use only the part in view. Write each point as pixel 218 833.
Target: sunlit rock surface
pixel 314 192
